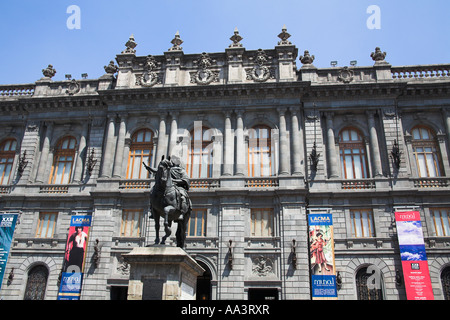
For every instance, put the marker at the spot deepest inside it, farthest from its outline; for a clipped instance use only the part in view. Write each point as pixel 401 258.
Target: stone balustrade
pixel 421 72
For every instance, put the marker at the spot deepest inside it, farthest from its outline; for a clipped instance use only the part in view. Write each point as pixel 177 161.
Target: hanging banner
pixel 72 273
pixel 321 249
pixel 413 256
pixel 7 227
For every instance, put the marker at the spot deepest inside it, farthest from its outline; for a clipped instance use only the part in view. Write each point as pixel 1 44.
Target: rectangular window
pixel 131 223
pixel 441 222
pixel 46 224
pixel 197 223
pixel 261 223
pixel 362 223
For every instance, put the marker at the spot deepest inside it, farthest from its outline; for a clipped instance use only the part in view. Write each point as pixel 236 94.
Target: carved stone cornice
pixel 216 92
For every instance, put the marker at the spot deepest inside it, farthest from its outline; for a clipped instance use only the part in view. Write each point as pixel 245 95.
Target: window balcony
pixel 263 182
pixel 436 182
pixel 358 184
pixel 135 183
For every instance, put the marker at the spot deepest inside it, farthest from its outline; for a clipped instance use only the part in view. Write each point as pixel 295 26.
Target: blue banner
pixel 7 227
pixel 321 249
pixel 74 259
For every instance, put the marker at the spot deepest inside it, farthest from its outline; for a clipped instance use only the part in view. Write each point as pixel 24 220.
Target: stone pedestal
pixel 162 273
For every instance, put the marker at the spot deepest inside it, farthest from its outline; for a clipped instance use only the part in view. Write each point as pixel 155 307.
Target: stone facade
pixel 305 108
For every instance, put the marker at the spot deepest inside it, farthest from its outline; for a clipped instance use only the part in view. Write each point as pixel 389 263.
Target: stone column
pixel 374 147
pixel 284 144
pixel 446 115
pixel 44 153
pixel 173 133
pixel 77 176
pixel 117 173
pixel 297 142
pixel 240 145
pixel 161 148
pixel 228 152
pixel 333 163
pixel 107 158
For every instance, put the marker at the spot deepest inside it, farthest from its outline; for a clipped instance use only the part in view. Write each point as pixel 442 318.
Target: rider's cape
pixel 183 200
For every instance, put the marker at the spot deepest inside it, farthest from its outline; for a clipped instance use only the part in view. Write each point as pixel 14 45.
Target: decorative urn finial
pixel 236 38
pixel 111 68
pixel 176 42
pixel 49 72
pixel 131 44
pixel 378 55
pixel 307 58
pixel 284 36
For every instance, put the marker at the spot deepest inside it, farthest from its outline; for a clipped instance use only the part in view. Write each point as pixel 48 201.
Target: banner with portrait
pixel 7 227
pixel 74 258
pixel 414 259
pixel 321 250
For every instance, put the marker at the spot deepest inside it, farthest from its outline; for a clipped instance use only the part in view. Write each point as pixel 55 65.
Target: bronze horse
pixel 169 200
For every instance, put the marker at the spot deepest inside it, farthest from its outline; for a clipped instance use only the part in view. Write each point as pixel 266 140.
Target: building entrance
pixel 204 283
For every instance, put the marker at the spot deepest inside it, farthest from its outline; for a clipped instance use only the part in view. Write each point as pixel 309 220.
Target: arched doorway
pixel 36 283
pixel 445 278
pixel 363 290
pixel 204 283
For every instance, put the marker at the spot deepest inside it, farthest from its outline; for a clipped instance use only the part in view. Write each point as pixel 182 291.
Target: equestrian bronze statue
pixel 169 199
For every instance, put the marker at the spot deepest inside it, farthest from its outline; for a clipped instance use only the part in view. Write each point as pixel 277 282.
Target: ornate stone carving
pixel 236 38
pixel 131 44
pixel 307 58
pixel 262 266
pixel 345 75
pixel 204 75
pixel 49 72
pixel 111 68
pixel 260 72
pixel 284 36
pixel 176 42
pixel 123 267
pixel 378 55
pixel 74 87
pixel 149 78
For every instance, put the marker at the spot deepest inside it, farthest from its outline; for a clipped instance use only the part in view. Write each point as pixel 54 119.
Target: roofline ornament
pixel 204 75
pixel 307 58
pixel 149 77
pixel 284 36
pixel 260 72
pixel 49 72
pixel 378 55
pixel 236 38
pixel 176 42
pixel 131 44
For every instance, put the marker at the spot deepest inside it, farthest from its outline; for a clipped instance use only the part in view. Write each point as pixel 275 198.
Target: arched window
pixel 259 152
pixel 426 152
pixel 36 283
pixel 63 161
pixel 362 289
pixel 445 279
pixel 199 162
pixel 353 154
pixel 7 153
pixel 141 150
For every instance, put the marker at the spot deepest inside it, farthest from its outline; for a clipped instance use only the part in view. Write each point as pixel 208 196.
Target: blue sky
pixel 35 34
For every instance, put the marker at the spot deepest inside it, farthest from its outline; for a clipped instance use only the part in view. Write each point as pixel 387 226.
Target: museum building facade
pixel 266 144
